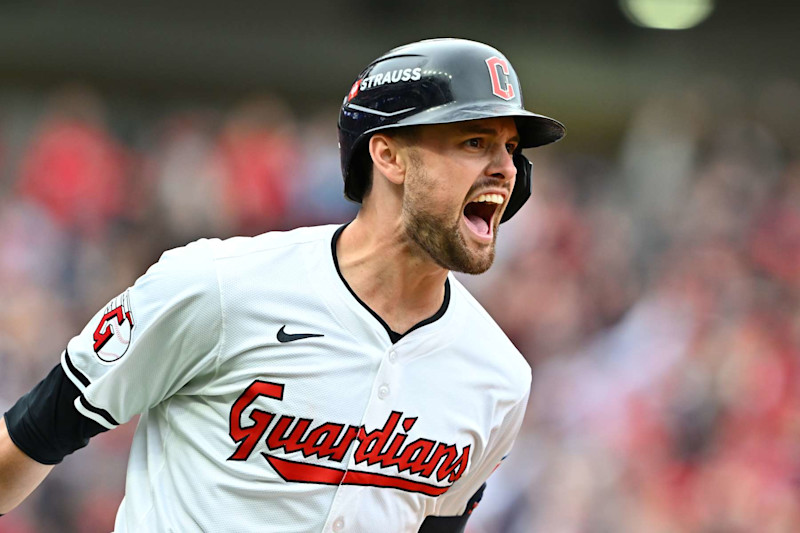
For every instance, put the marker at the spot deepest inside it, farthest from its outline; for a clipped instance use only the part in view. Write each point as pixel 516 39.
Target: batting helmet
pixel 437 81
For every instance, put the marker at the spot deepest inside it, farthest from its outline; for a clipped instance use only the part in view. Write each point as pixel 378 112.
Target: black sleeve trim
pixel 45 424
pixel 75 372
pixel 80 376
pixel 99 412
pixel 452 524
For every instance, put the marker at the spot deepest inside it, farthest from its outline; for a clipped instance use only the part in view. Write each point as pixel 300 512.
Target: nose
pixel 502 164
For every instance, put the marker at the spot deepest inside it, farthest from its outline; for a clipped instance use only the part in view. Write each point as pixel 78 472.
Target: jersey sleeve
pixel 151 341
pixel 456 501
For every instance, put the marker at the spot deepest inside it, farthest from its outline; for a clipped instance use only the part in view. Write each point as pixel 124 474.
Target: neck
pixel 390 273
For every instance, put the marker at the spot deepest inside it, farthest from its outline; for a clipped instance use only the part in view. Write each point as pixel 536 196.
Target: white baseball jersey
pixel 273 399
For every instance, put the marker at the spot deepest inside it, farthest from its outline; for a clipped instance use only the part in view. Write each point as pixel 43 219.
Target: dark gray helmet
pixel 437 81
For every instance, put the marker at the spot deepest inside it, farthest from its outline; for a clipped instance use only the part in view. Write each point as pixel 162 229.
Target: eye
pixel 475 142
pixel 510 147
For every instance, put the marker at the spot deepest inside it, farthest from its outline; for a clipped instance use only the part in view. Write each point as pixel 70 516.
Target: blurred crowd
pixel 655 292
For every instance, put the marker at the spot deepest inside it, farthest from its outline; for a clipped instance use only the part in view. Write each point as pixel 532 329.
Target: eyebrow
pixel 471 128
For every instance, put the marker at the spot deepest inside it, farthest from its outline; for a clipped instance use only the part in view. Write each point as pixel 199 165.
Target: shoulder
pixel 485 335
pixel 205 256
pixel 198 263
pixel 269 242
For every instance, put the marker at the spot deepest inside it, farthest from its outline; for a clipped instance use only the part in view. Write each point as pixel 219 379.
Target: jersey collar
pixel 394 337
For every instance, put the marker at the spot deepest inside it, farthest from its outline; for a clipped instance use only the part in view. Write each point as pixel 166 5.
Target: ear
pixel 388 158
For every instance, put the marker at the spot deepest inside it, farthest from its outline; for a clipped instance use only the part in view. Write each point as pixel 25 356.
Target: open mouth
pixel 479 214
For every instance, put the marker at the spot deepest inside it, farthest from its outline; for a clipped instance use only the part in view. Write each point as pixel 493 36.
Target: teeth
pixel 491 198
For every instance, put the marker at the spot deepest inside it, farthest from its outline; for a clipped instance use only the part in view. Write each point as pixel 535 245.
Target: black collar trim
pixel 393 335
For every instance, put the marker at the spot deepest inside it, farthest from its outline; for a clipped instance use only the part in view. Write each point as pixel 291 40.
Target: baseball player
pixel 326 378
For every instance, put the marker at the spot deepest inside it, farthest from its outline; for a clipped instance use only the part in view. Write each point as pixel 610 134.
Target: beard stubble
pixel 439 235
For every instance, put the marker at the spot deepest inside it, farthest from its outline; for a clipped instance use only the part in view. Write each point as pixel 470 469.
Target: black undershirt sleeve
pixel 44 423
pixel 452 524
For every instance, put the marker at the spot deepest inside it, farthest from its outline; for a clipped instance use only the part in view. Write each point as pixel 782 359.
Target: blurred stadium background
pixel 653 281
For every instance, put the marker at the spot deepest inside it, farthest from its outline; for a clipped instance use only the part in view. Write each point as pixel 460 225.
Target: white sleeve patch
pixel 112 335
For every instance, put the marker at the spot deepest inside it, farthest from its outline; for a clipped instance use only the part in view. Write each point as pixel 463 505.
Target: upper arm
pixel 455 506
pixel 150 341
pixel 452 524
pixel 19 474
pixel 141 348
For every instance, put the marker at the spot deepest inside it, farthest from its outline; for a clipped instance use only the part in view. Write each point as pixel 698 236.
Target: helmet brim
pixel 534 129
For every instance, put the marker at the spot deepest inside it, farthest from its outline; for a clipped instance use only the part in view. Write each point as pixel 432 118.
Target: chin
pixel 468 255
pixel 479 263
pixel 450 243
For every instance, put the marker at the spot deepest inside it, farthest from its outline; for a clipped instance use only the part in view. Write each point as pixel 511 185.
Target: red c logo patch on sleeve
pixel 112 336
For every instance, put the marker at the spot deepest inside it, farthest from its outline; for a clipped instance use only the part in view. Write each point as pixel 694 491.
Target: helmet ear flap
pixel 522 186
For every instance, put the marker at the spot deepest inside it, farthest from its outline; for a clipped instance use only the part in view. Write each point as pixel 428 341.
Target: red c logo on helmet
pixel 504 90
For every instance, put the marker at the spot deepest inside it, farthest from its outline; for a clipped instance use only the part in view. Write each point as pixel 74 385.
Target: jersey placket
pixel 345 510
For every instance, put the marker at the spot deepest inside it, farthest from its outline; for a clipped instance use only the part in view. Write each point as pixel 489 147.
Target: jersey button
pixel 383 391
pixel 338 524
pixel 392 356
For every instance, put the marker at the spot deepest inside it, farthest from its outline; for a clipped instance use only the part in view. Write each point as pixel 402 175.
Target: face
pixel 459 179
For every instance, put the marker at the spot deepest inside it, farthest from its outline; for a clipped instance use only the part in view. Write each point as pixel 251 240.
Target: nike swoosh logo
pixel 289 337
